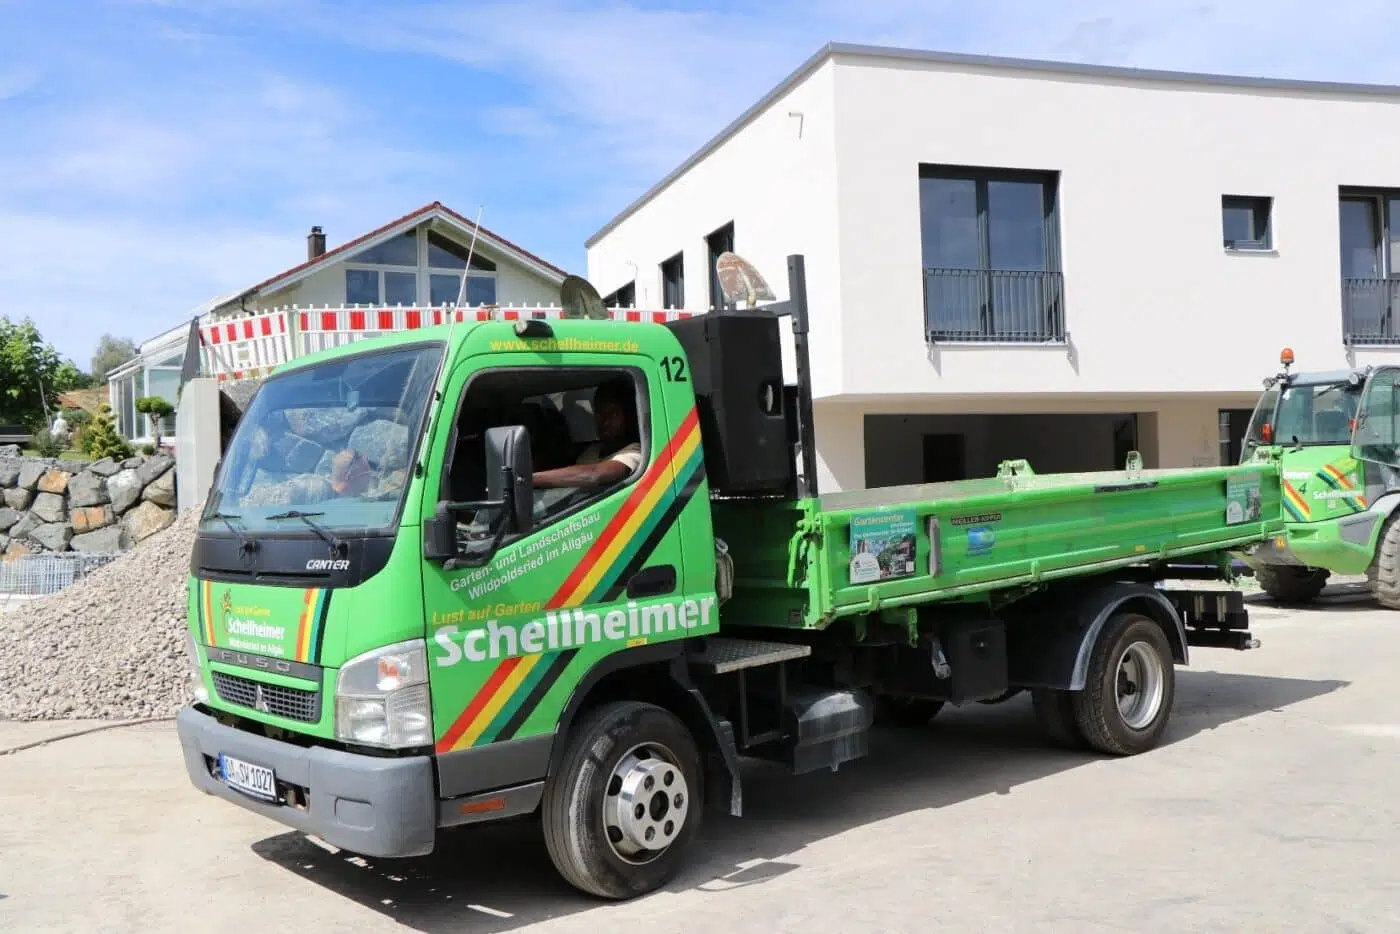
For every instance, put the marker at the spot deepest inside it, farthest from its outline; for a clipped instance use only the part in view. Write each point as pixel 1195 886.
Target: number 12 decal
pixel 675 369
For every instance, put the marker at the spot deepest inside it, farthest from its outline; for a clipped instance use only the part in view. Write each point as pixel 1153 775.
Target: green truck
pixel 1332 433
pixel 573 571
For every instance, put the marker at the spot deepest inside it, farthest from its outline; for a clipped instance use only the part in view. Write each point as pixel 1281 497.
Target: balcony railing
pixel 1369 308
pixel 994 305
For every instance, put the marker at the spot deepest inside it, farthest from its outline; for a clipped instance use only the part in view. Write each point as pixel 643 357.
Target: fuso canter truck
pixel 574 570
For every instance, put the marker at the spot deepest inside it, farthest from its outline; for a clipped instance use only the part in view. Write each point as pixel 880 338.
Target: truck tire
pixel 1288 584
pixel 1385 572
pixel 624 805
pixel 1054 712
pixel 1128 694
pixel 906 712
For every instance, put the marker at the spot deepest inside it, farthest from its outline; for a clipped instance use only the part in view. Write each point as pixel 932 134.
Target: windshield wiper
pixel 336 545
pixel 245 544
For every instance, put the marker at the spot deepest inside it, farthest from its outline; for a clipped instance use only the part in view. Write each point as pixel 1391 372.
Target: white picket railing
pixel 249 347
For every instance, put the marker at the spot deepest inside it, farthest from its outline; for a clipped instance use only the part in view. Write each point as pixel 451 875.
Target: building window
pixel 1233 425
pixel 387 274
pixel 991 255
pixel 673 282
pixel 1246 222
pixel 1369 223
pixel 447 260
pixel 625 297
pixel 721 241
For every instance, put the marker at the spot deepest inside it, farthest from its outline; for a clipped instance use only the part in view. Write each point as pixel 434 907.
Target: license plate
pixel 255 780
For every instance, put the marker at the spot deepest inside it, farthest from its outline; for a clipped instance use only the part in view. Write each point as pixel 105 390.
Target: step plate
pixel 723 655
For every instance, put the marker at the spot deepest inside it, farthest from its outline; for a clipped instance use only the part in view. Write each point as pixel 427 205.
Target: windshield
pixel 332 441
pixel 1307 415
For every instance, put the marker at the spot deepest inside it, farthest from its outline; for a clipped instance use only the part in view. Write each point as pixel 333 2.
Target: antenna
pixel 466 270
pixel 579 299
pixel 439 387
pixel 740 279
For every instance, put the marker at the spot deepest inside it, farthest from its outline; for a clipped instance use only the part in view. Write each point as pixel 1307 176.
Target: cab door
pixel 1375 439
pixel 598 574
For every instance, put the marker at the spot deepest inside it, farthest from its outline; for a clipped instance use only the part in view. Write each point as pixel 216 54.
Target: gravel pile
pixel 108 647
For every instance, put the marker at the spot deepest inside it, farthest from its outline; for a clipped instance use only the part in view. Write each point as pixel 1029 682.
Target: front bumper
pixel 372 806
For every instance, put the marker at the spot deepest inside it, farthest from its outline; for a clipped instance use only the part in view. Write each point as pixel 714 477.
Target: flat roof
pixel 967 60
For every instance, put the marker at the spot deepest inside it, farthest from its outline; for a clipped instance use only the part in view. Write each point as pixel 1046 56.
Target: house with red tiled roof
pixel 415 261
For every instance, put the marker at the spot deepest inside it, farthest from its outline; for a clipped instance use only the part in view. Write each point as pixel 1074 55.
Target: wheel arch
pixel 657 674
pixel 1145 602
pixel 1386 512
pixel 1051 639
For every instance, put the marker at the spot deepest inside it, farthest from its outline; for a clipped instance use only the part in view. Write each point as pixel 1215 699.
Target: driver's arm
pixel 603 473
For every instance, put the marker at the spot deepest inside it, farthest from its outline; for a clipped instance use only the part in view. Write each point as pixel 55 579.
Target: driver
pixel 616 453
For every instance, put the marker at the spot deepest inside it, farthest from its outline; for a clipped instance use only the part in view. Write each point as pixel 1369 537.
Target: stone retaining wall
pixel 100 508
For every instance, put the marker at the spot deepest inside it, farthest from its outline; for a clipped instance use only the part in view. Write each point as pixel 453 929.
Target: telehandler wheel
pixel 1054 712
pixel 625 803
pixel 1288 584
pixel 1384 575
pixel 1128 694
pixel 905 712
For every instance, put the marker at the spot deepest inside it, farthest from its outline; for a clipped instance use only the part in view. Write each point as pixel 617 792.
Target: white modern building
pixel 413 262
pixel 1059 262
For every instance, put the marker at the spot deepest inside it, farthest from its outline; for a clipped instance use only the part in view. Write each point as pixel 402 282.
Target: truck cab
pixel 1338 482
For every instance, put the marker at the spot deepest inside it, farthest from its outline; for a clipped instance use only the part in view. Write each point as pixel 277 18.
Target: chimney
pixel 315 243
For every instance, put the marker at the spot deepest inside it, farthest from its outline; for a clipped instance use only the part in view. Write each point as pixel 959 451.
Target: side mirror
pixel 509 504
pixel 440 535
pixel 510 473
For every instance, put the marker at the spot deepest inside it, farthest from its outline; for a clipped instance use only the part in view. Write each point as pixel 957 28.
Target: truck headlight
pixel 381 697
pixel 196 676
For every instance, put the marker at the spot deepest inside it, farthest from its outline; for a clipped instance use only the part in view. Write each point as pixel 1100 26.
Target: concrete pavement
pixel 1268 810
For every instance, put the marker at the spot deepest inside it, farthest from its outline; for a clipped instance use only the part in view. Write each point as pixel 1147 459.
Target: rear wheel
pixel 1288 584
pixel 625 802
pixel 1128 694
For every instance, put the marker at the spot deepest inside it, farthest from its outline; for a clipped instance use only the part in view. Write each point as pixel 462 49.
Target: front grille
pixel 288 703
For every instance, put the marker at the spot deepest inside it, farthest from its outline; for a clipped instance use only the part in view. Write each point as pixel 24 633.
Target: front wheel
pixel 1288 584
pixel 625 802
pixel 1128 694
pixel 1384 574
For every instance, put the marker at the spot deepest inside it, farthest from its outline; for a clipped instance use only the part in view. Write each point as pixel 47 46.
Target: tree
pixel 29 375
pixel 69 377
pixel 100 439
pixel 155 408
pixel 111 353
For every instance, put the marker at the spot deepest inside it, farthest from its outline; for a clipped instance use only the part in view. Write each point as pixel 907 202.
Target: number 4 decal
pixel 675 369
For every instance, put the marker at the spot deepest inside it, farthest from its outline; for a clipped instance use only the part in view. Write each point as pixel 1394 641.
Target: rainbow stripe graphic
pixel 206 611
pixel 312 623
pixel 517 685
pixel 1339 481
pixel 1294 504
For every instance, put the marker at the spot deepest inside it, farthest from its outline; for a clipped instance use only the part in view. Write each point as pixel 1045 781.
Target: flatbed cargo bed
pixel 807 563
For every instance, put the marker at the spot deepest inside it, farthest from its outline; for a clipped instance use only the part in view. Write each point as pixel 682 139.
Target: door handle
pixel 652 582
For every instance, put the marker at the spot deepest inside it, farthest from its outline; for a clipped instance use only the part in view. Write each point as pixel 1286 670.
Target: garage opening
pixel 901 449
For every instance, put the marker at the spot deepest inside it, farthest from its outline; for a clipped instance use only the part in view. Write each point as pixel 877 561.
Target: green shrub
pixel 46 445
pixel 100 439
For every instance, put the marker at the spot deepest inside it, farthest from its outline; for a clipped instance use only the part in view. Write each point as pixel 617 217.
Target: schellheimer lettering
pixel 576 628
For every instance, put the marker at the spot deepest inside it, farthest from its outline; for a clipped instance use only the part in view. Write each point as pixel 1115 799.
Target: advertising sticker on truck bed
pixel 883 546
pixel 1242 499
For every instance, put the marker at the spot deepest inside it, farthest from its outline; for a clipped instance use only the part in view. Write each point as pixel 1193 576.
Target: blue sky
pixel 159 152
